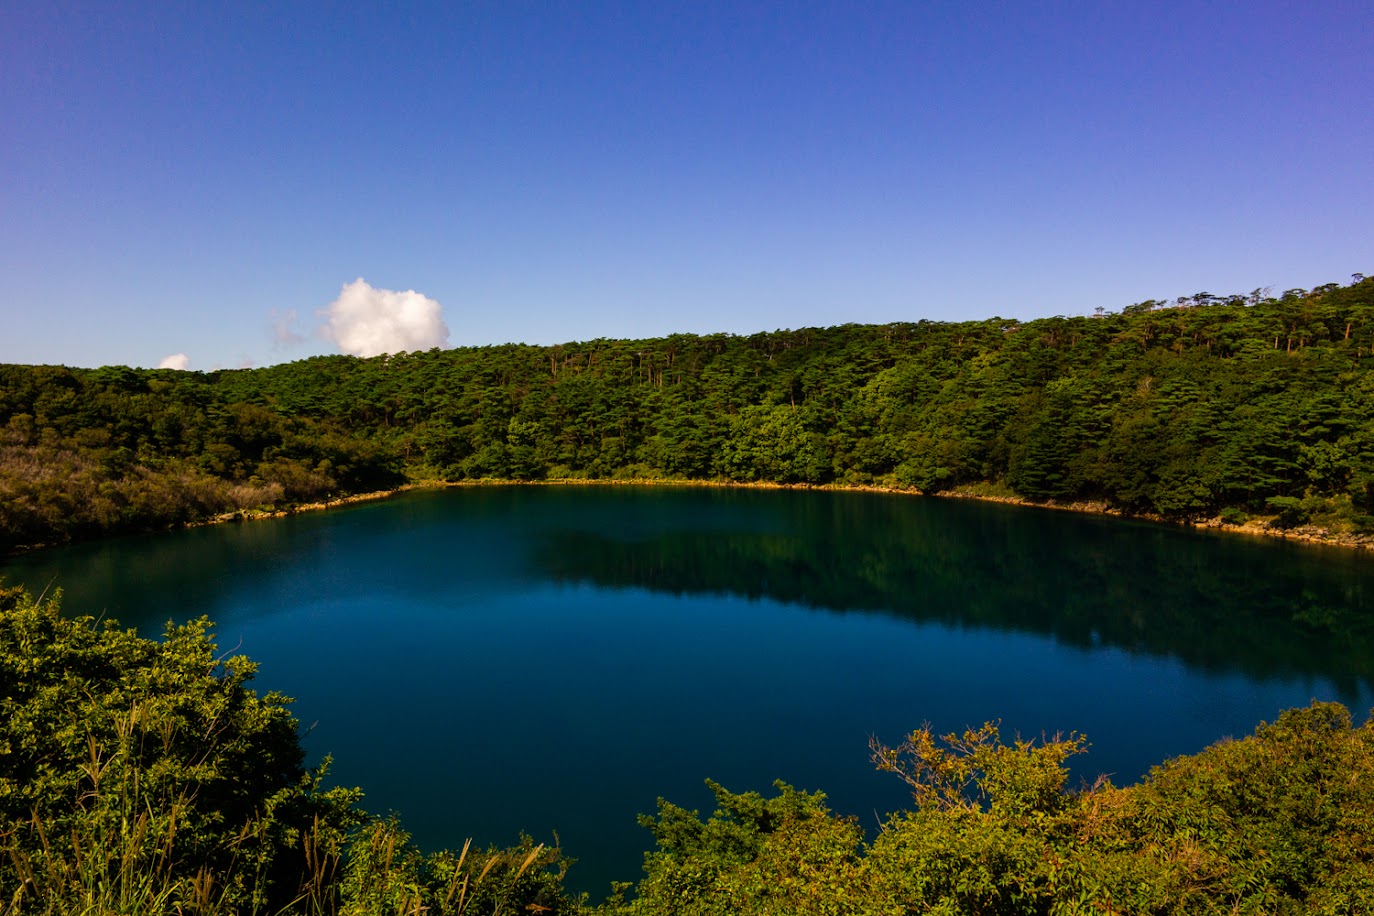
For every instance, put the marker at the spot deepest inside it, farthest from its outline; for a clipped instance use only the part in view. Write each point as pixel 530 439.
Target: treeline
pixel 1200 406
pixel 89 452
pixel 144 776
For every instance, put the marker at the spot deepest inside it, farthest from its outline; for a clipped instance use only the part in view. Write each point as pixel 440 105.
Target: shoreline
pixel 249 515
pixel 1255 527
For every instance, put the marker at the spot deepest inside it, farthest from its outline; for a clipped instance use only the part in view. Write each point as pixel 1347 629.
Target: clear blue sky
pixel 176 177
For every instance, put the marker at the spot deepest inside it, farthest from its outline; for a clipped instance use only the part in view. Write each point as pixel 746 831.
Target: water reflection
pixel 1217 603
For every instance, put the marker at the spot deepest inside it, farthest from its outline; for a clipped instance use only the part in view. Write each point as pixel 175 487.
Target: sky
pixel 205 185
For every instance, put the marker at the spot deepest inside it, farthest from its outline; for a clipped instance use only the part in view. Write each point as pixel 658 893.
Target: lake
pixel 490 660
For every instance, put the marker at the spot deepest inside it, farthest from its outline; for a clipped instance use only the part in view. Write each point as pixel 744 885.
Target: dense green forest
pixel 142 775
pixel 1202 406
pixel 145 776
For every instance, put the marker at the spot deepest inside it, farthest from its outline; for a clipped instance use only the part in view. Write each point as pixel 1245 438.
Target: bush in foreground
pixel 1279 822
pixel 139 776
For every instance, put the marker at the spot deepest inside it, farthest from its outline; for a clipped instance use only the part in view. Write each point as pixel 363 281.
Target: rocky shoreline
pixel 1259 526
pixel 1254 527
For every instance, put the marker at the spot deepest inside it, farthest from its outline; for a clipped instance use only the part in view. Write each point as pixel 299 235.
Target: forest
pixel 1205 406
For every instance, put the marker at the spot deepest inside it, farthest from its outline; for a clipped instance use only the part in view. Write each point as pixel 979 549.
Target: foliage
pixel 1279 822
pixel 86 452
pixel 1179 409
pixel 384 874
pixel 1290 509
pixel 141 776
pixel 754 855
pixel 1233 516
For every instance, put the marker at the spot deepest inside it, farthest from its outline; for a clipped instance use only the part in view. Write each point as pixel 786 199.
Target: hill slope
pixel 1182 410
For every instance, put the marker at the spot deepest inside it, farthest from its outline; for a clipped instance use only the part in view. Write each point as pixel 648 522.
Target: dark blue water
pixel 488 661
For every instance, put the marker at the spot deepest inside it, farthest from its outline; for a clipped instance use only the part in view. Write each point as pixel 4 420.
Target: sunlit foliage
pixel 1279 822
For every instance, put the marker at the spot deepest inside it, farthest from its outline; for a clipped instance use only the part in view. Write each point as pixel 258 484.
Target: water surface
pixel 491 660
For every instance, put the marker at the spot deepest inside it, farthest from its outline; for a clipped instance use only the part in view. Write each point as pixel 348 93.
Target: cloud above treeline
pixel 175 361
pixel 366 321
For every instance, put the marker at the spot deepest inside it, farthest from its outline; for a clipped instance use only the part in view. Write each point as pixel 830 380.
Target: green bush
pixel 1233 516
pixel 1291 511
pixel 1279 822
pixel 139 776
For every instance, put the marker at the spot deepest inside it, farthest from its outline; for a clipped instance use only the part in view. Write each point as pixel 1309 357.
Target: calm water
pixel 486 661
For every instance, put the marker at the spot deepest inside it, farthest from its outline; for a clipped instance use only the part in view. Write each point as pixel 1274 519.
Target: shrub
pixel 139 776
pixel 1279 822
pixel 1291 511
pixel 1233 516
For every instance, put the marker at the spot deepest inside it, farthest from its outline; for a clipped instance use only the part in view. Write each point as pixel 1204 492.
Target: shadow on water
pixel 1214 602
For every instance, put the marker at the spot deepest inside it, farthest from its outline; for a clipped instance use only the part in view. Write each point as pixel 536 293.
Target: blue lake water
pixel 486 661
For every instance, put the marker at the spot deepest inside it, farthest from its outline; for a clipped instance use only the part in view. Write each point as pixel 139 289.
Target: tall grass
pixel 121 857
pixel 115 865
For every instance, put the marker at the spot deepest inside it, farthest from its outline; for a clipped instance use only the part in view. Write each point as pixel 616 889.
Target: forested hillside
pixel 1201 406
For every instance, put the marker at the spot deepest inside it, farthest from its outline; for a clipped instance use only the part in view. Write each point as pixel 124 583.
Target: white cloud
pixel 365 321
pixel 175 361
